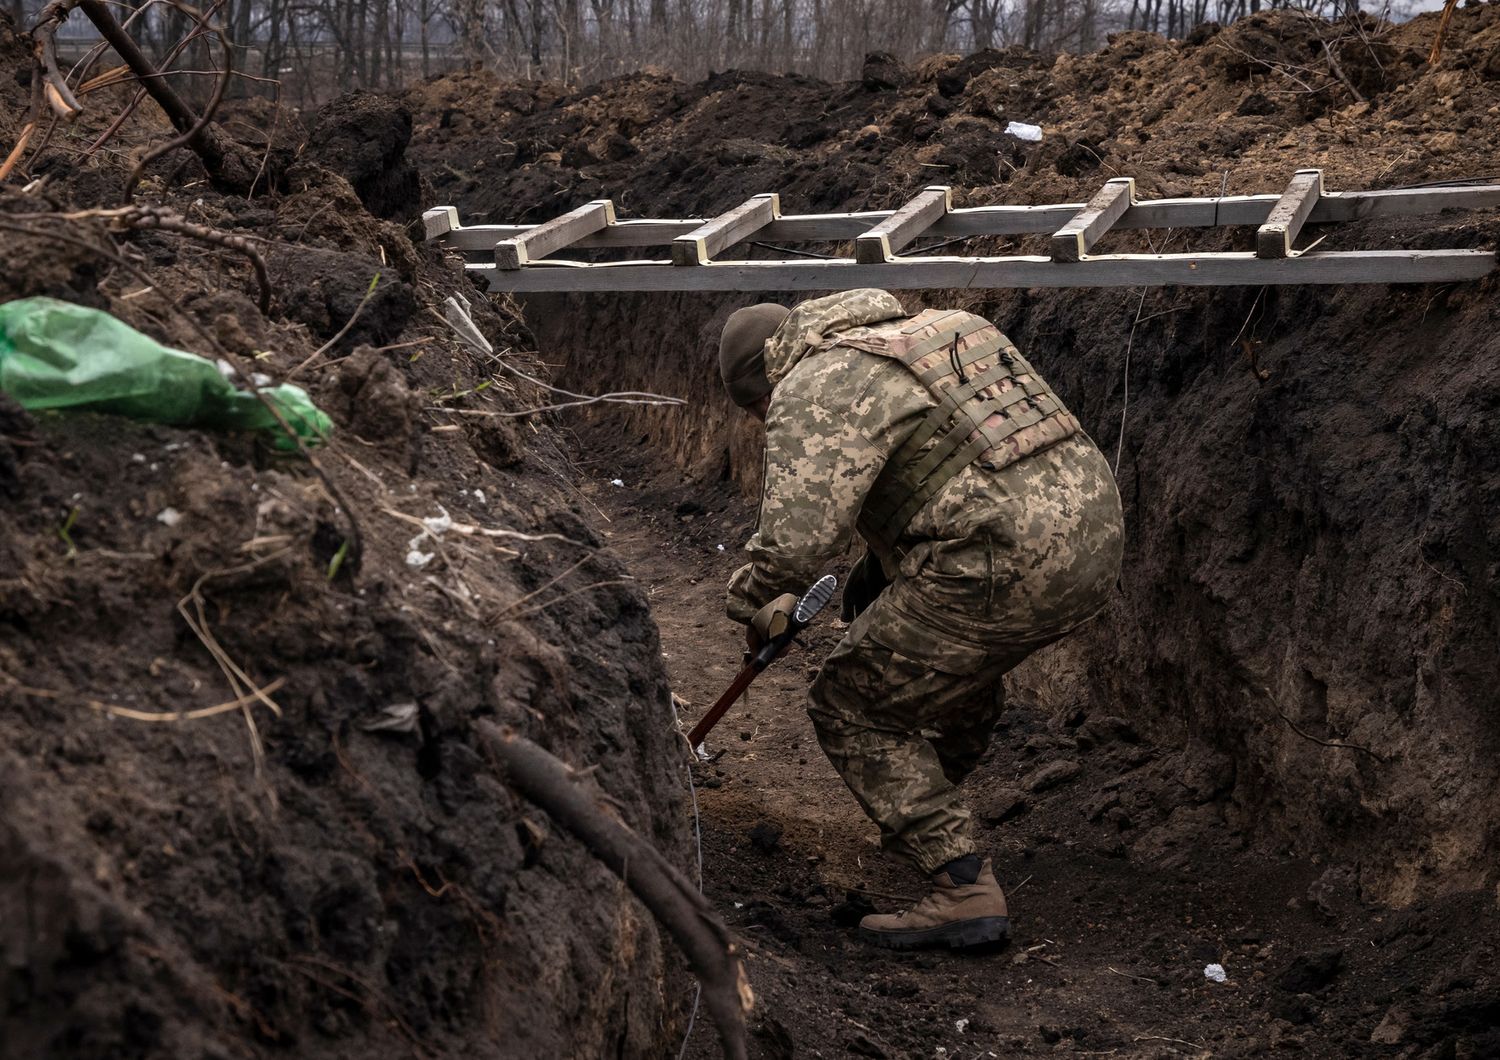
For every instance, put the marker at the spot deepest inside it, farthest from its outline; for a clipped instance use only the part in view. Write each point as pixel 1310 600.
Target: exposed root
pixel 583 810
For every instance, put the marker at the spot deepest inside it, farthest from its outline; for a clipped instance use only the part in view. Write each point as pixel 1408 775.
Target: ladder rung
pixel 1074 240
pixel 554 235
pixel 1274 239
pixel 703 244
pixel 881 243
pixel 439 221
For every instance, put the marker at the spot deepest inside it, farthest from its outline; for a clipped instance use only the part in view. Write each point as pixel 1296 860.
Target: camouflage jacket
pixel 836 413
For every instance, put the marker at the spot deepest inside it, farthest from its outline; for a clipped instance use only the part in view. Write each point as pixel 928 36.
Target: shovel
pixel 812 601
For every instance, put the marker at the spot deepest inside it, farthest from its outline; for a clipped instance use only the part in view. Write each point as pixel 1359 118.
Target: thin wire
pixel 622 396
pixel 1129 345
pixel 1125 405
pixel 1455 182
pixel 794 250
pixel 698 840
pixel 697 995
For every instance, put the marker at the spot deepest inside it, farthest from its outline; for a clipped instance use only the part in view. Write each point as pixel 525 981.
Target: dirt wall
pixel 1308 593
pixel 335 868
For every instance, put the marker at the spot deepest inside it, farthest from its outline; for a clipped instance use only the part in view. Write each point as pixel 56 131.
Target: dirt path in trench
pixel 1124 882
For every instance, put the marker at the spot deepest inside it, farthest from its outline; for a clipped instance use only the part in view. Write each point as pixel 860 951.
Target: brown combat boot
pixel 956 915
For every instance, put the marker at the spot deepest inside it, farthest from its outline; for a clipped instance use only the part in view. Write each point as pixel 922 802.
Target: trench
pixel 1281 750
pixel 1298 594
pixel 1128 872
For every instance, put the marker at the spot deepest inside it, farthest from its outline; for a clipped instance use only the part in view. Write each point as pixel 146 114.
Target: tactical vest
pixel 992 409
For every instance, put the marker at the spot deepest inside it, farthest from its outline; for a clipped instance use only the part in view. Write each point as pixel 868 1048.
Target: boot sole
pixel 960 935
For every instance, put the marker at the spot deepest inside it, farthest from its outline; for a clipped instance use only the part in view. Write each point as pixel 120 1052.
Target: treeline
pixel 313 48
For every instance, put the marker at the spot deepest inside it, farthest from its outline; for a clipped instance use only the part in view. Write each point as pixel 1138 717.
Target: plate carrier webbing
pixel 992 409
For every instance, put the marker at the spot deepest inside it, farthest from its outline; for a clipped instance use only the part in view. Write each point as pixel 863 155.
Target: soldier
pixel 992 526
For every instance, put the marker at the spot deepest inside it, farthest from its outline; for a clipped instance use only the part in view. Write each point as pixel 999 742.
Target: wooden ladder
pixel 518 257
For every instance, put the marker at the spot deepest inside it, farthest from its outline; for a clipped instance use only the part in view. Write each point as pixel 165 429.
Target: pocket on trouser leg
pixel 902 670
pixel 919 643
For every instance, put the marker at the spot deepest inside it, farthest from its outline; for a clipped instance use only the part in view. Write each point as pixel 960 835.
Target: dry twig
pixel 1437 38
pixel 47 80
pixel 194 133
pixel 1129 975
pixel 227 164
pixel 117 711
pixel 1160 1038
pixel 16 152
pixel 160 218
pixel 243 686
pixel 1333 63
pixel 470 529
pixel 331 343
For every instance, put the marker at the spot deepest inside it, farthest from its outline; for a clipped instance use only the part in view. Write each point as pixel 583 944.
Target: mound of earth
pixel 331 865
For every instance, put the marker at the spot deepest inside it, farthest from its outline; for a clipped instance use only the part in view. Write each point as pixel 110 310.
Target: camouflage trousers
pixel 905 705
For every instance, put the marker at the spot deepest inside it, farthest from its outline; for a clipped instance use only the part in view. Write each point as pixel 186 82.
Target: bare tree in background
pixel 319 47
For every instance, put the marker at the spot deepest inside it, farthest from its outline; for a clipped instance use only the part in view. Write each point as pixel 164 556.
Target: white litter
pixel 259 379
pixel 169 517
pixel 138 458
pixel 433 527
pixel 1021 131
pixel 1216 973
pixel 456 313
pixel 437 525
pixel 479 496
pixel 962 1025
pixel 721 548
pixel 398 717
pixel 616 482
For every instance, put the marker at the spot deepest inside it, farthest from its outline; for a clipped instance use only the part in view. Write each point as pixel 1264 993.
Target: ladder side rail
pixel 1121 270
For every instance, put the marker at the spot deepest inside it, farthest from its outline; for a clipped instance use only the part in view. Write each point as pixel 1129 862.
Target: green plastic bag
pixel 56 355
